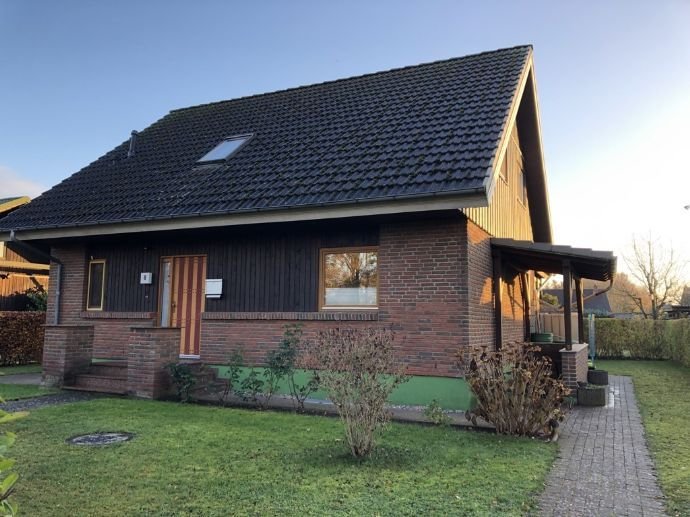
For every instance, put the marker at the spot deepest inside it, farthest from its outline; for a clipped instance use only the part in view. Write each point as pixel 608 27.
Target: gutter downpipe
pixel 51 258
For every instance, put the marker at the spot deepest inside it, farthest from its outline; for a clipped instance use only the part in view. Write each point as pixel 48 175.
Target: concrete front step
pixel 100 383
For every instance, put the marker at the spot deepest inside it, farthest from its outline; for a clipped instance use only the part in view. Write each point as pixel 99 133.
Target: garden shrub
pixel 434 413
pixel 358 370
pixel 184 378
pixel 643 339
pixel 514 389
pixel 21 337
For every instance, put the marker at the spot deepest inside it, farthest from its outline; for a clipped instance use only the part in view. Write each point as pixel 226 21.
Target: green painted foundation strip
pixel 451 393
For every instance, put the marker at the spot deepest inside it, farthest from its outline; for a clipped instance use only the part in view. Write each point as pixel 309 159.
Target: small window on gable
pixel 96 285
pixel 225 149
pixel 522 187
pixel 504 168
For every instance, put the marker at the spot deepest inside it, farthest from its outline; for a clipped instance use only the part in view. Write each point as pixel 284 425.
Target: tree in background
pixel 658 271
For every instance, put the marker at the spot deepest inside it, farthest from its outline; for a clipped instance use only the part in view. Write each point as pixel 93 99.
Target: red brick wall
pixel 255 337
pixel 434 290
pixel 481 298
pixel 72 285
pixel 66 352
pixel 149 351
pixel 423 291
pixel 481 303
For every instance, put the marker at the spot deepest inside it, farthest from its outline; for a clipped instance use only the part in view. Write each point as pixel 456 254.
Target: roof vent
pixel 132 143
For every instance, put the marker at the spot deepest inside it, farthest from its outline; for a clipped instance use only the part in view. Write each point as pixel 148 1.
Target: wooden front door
pixel 182 298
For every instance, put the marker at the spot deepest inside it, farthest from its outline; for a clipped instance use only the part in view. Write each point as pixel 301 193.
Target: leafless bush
pixel 514 389
pixel 357 369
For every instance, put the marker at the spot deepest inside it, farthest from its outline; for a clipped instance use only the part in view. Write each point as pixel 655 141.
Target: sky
pixel 613 81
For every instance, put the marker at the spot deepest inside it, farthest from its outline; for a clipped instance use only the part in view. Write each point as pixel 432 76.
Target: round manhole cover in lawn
pixel 99 439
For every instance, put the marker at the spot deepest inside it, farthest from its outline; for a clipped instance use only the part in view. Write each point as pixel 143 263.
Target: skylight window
pixel 224 149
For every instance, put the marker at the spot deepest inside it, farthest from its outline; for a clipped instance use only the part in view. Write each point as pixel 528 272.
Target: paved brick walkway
pixel 604 467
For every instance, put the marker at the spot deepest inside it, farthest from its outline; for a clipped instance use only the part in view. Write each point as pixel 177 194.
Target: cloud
pixel 12 184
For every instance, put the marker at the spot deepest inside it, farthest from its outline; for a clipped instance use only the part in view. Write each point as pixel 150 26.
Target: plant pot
pixel 592 395
pixel 541 337
pixel 600 377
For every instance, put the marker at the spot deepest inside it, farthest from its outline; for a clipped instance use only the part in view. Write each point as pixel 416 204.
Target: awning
pixel 549 258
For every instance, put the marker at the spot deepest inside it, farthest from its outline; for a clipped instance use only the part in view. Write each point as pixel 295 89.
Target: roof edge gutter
pixel 401 204
pixel 50 258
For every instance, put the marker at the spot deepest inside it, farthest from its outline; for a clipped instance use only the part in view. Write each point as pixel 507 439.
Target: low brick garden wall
pixel 21 337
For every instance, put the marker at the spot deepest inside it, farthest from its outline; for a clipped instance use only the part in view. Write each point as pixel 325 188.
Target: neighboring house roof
pixel 428 132
pixel 599 304
pixel 685 298
pixel 8 204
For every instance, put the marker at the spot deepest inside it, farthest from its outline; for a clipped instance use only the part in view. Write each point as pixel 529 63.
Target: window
pixel 522 187
pixel 3 253
pixel 349 278
pixel 504 168
pixel 224 149
pixel 96 286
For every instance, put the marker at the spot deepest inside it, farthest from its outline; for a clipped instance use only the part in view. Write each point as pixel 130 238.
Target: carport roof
pixel 550 258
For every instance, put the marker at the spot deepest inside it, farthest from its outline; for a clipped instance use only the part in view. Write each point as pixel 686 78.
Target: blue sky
pixel 613 81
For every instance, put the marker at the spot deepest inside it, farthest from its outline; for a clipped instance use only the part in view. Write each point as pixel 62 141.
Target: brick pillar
pixel 67 351
pixel 574 364
pixel 149 351
pixel 72 286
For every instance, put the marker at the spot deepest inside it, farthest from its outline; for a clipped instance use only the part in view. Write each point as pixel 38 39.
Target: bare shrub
pixel 357 369
pixel 514 389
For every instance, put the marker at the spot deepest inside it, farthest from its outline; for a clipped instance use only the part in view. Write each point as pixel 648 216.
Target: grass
pixel 196 460
pixel 23 391
pixel 13 370
pixel 662 389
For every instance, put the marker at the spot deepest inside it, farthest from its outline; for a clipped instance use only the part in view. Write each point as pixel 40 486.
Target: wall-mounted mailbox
pixel 214 287
pixel 146 278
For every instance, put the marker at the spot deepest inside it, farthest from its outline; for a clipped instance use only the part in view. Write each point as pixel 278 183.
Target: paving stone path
pixel 64 397
pixel 604 467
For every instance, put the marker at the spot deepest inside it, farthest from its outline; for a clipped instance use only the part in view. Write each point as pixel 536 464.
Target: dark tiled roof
pixel 415 131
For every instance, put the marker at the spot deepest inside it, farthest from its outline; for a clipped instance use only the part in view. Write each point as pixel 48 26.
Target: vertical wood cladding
pixel 507 216
pixel 263 269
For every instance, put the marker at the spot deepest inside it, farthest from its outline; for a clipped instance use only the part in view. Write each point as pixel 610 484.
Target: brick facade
pixel 434 290
pixel 574 365
pixel 149 351
pixel 67 351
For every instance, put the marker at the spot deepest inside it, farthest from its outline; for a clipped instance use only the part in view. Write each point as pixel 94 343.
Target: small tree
pixel 37 298
pixel 359 372
pixel 658 270
pixel 514 389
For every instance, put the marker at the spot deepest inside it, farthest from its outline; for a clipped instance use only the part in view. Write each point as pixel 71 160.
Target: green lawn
pixel 662 389
pixel 196 460
pixel 23 391
pixel 13 370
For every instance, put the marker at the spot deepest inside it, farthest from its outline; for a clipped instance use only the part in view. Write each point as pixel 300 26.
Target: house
pixel 682 309
pixel 414 198
pixel 597 304
pixel 18 273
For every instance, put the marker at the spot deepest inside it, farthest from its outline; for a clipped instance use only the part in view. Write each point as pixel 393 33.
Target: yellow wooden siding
pixel 506 216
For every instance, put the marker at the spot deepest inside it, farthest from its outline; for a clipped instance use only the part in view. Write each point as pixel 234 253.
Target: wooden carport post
pixel 567 297
pixel 498 308
pixel 580 310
